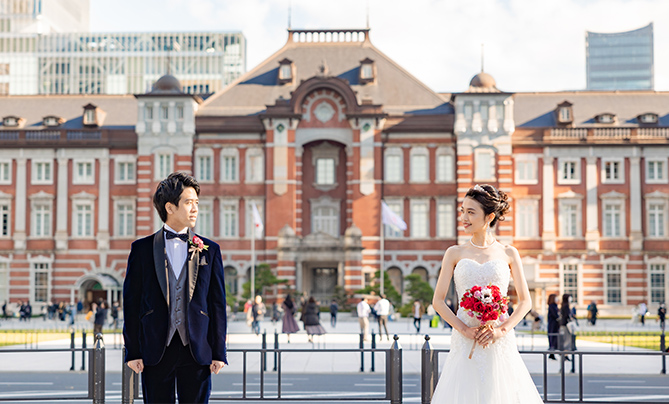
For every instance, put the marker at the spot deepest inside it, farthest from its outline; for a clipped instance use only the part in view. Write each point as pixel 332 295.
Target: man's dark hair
pixel 170 190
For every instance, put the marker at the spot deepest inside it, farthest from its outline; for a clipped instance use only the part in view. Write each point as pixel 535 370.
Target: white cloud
pixel 529 45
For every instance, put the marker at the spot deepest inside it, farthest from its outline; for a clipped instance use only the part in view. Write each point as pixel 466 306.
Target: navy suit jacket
pixel 145 302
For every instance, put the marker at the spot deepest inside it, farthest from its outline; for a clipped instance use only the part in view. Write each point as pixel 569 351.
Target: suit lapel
pixel 193 266
pixel 160 262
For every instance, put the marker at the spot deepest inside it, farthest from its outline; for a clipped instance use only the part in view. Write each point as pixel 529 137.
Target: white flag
pixel 257 221
pixel 391 218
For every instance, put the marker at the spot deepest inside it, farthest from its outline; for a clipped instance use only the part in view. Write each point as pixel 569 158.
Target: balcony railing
pixel 599 135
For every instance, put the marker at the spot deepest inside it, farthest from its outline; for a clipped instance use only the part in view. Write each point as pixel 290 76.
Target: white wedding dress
pixel 494 375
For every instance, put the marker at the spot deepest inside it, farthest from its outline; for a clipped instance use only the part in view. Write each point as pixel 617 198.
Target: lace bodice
pixel 468 273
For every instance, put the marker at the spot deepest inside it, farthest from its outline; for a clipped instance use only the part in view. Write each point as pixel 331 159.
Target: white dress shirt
pixel 363 309
pixel 382 307
pixel 176 250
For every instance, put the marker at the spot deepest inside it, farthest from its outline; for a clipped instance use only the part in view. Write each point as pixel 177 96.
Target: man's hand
pixel 216 366
pixel 137 365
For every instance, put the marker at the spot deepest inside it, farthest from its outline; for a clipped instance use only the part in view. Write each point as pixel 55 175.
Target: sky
pixel 529 45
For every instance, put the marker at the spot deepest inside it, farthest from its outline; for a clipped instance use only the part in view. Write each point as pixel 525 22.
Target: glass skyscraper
pixel 620 61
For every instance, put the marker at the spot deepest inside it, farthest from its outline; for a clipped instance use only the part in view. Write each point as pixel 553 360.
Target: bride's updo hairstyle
pixel 492 201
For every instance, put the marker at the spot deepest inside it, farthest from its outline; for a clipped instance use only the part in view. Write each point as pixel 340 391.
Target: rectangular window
pixel 527 215
pixel 148 112
pixel 392 231
pixel 394 168
pixel 656 220
pixel 526 171
pixel 570 281
pixel 5 173
pixel 180 113
pixel 255 169
pixel 41 282
pixel 419 220
pixel 164 112
pixel 613 283
pixel 125 220
pixel 325 219
pixel 612 171
pixel 230 169
pixel 444 168
pixel 83 220
pixel 204 168
pixel 484 165
pixel 4 220
pixel 83 172
pixel 205 220
pixel 229 220
pixel 42 172
pixel 419 168
pixel 42 220
pixel 569 170
pixel 656 171
pixel 612 220
pixel 325 171
pixel 125 172
pixel 367 71
pixel 164 165
pixel 569 219
pixel 657 283
pixel 445 220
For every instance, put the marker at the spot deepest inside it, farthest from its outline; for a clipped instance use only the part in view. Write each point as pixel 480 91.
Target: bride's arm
pixel 439 297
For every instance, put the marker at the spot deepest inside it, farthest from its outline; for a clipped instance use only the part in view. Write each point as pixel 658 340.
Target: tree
pixel 264 278
pixel 418 289
pixel 391 293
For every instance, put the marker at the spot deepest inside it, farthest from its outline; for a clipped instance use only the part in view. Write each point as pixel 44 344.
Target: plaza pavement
pixel 344 336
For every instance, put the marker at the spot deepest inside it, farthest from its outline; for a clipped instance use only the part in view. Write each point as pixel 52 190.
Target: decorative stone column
pixel 636 219
pixel 548 196
pixel 592 211
pixel 103 205
pixel 20 205
pixel 61 235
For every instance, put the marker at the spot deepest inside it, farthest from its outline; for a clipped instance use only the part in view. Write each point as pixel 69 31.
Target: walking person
pixel 382 309
pixel 592 312
pixel 4 310
pixel 418 312
pixel 174 303
pixel 364 311
pixel 643 310
pixel 553 328
pixel 334 309
pixel 662 314
pixel 289 325
pixel 114 315
pixel 311 319
pixel 100 318
pixel 566 341
pixel 257 312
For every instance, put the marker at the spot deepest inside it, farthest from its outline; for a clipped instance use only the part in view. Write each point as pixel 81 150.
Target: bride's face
pixel 472 216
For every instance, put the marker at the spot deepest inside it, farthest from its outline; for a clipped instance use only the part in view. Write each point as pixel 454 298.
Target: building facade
pixel 621 60
pixel 315 137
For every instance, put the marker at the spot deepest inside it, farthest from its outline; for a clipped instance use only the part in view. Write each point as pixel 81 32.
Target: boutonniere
pixel 196 244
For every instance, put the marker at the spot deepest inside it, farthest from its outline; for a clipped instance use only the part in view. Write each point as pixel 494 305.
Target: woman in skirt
pixel 311 319
pixel 289 324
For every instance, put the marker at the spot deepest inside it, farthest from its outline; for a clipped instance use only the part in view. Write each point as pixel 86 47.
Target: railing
pixel 606 134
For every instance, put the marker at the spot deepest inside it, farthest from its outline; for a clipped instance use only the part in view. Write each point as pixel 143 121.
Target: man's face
pixel 184 215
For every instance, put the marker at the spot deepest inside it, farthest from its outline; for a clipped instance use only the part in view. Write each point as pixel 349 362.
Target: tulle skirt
pixel 494 375
pixel 314 329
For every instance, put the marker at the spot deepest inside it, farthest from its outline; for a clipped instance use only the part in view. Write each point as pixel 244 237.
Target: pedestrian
pixel 553 328
pixel 80 307
pixel 418 311
pixel 4 310
pixel 28 310
pixel 276 314
pixel 592 312
pixel 662 314
pixel 382 309
pixel 566 340
pixel 334 308
pixel 114 315
pixel 289 324
pixel 174 301
pixel 363 311
pixel 100 318
pixel 257 312
pixel 311 319
pixel 643 309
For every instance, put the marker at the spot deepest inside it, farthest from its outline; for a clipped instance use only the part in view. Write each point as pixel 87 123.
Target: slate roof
pixel 395 89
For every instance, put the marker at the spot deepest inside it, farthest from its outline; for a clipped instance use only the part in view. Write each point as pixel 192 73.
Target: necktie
pixel 170 235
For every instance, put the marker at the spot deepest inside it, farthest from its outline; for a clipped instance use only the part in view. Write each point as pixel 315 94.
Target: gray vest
pixel 178 303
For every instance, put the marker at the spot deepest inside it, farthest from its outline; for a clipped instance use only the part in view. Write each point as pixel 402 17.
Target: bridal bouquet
pixel 486 303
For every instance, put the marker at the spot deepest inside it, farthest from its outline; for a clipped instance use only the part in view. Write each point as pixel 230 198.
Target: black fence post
pixel 276 347
pixel 429 371
pixel 264 352
pixel 83 347
pixel 663 349
pixel 394 372
pixel 129 382
pixel 97 371
pixel 72 348
pixel 362 353
pixel 573 356
pixel 373 347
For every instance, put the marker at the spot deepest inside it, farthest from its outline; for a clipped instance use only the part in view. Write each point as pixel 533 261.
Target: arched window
pixel 396 279
pixel 422 272
pixel 231 280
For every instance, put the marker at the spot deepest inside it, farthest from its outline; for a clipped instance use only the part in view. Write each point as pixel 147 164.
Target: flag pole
pixel 253 261
pixel 382 248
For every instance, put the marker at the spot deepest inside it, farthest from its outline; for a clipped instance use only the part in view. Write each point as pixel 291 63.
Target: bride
pixel 495 373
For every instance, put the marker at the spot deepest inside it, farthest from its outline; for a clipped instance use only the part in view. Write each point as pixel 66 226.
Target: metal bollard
pixel 663 349
pixel 373 347
pixel 129 382
pixel 276 347
pixel 72 348
pixel 362 353
pixel 83 347
pixel 429 371
pixel 394 373
pixel 573 356
pixel 264 353
pixel 96 375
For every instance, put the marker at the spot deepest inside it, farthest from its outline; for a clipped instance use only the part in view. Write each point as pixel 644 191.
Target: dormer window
pixel 565 113
pixel 367 71
pixel 90 115
pixel 286 72
pixel 11 121
pixel 649 118
pixel 606 118
pixel 52 121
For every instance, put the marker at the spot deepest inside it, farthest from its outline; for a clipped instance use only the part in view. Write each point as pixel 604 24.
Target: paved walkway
pixel 344 336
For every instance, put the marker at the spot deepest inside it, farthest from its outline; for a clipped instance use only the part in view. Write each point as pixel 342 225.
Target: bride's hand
pixel 489 335
pixel 470 332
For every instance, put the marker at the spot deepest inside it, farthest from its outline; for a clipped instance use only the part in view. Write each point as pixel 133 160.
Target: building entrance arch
pixel 95 287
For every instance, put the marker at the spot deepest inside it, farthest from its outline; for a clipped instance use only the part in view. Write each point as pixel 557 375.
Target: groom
pixel 174 301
